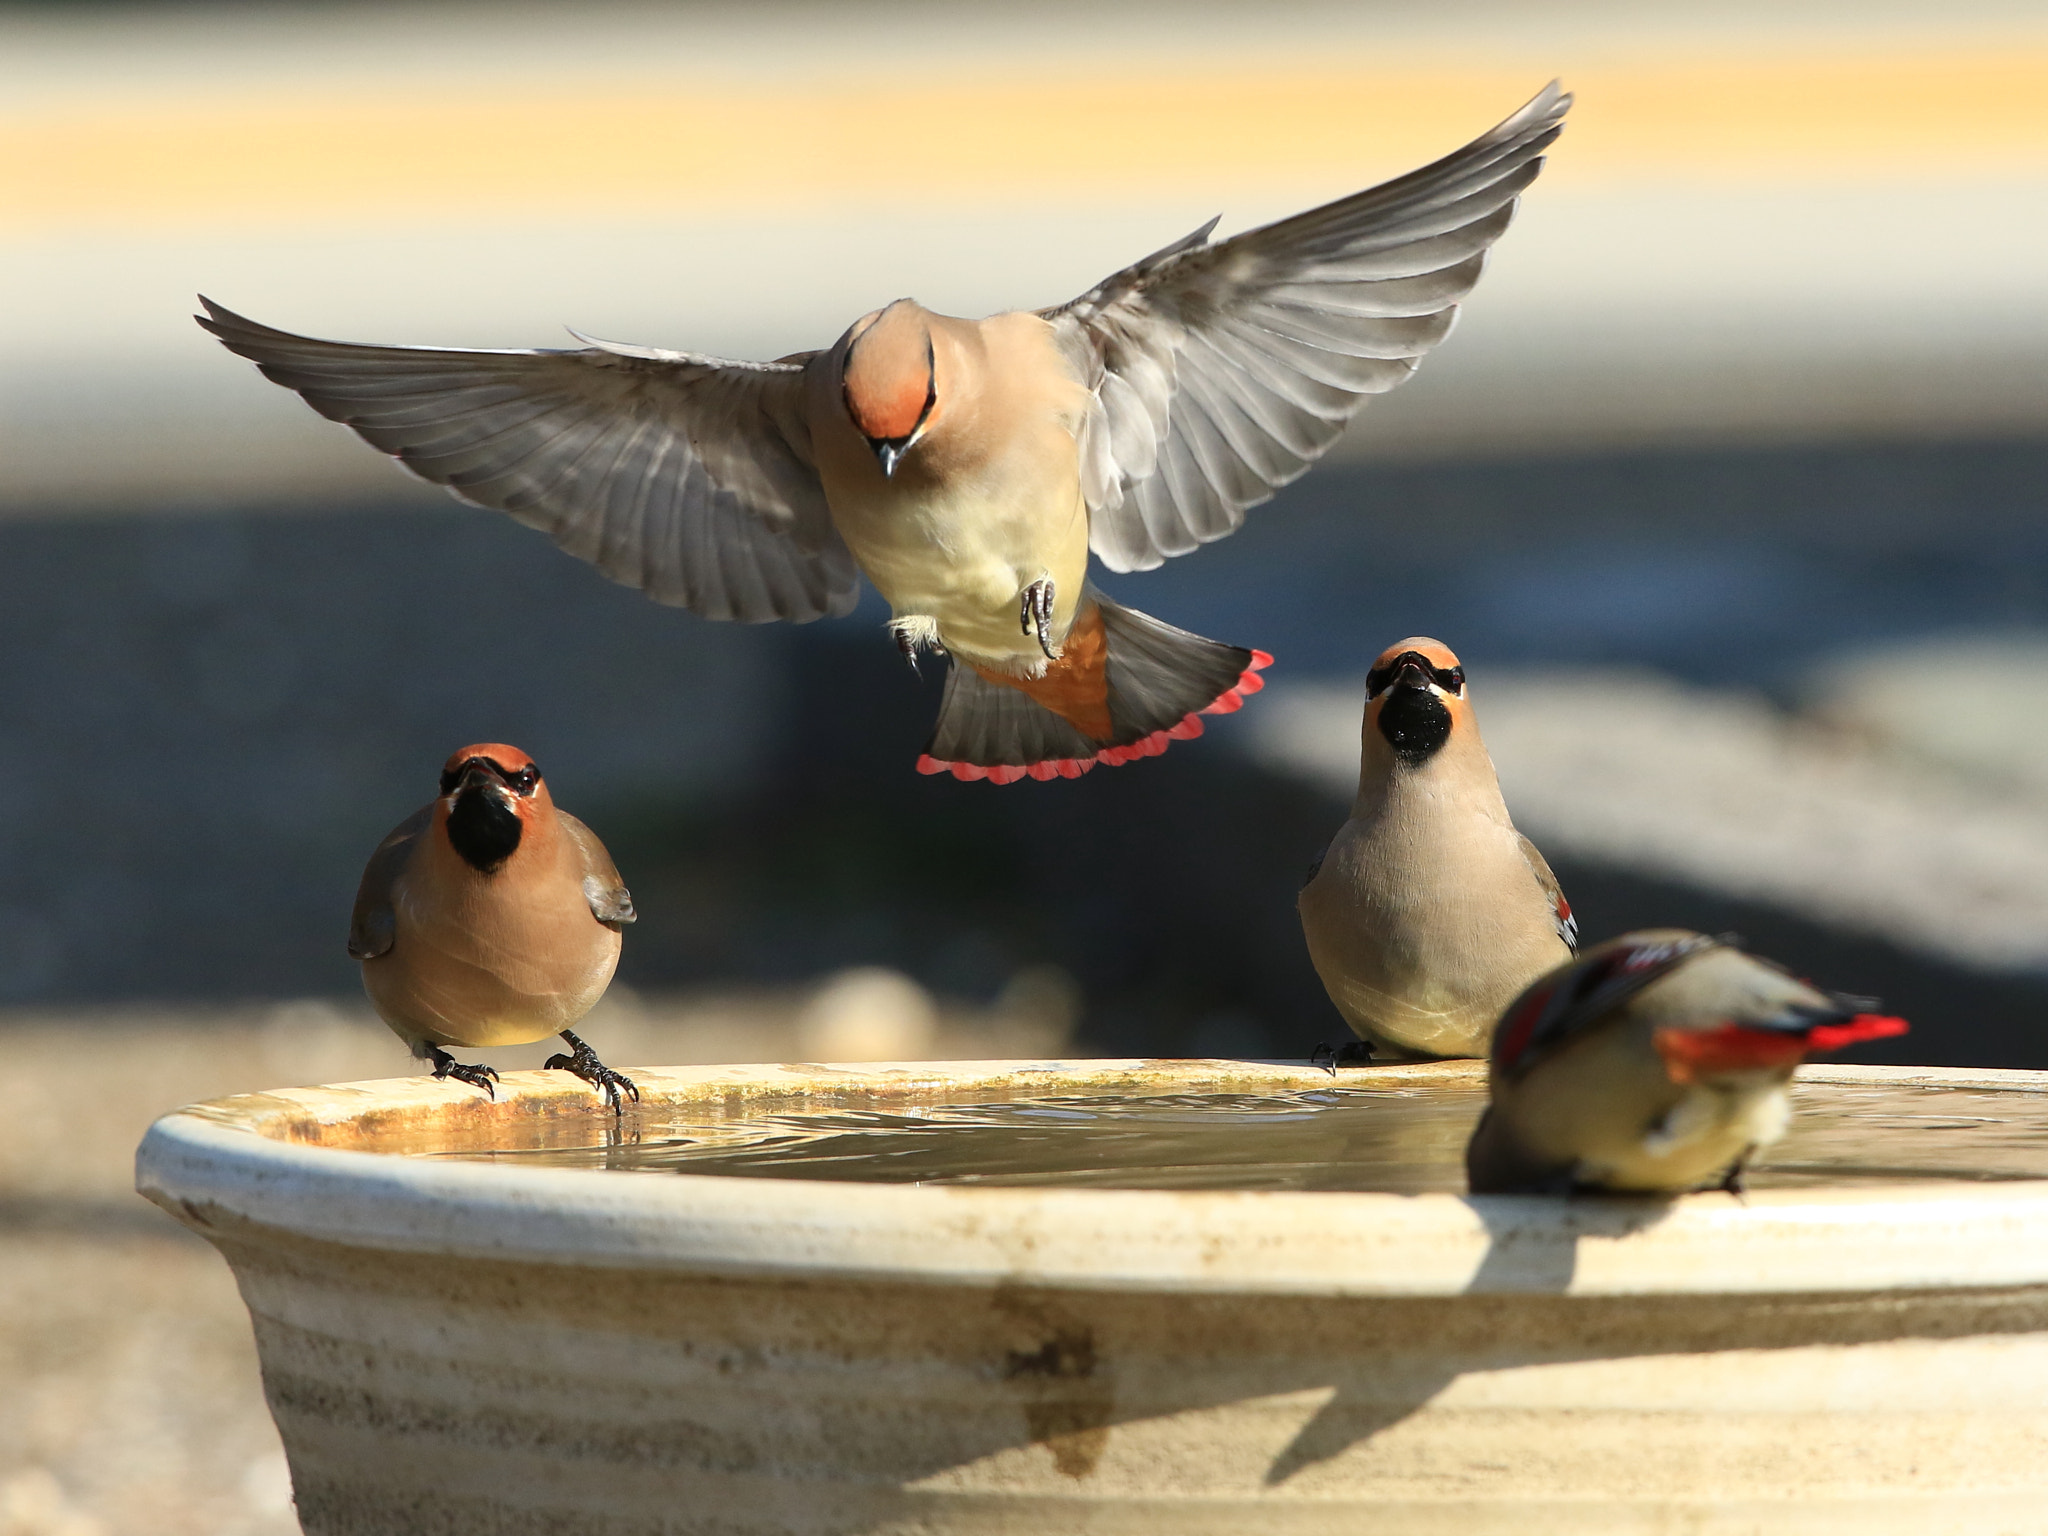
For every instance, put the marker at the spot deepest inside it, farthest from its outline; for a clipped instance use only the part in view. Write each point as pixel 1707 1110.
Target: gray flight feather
pixel 687 476
pixel 1156 677
pixel 994 725
pixel 1159 675
pixel 1221 372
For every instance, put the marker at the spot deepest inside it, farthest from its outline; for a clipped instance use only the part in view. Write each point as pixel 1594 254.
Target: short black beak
pixel 889 453
pixel 1413 673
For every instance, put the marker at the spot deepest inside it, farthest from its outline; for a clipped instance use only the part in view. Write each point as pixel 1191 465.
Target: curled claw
pixel 916 632
pixel 476 1075
pixel 1035 614
pixel 583 1062
pixel 1352 1053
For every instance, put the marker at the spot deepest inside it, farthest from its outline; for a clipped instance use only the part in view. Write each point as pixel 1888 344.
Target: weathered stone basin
pixel 461 1347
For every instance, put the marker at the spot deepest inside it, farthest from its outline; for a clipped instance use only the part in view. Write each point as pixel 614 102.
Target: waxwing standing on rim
pixel 1658 1062
pixel 488 917
pixel 968 467
pixel 1429 911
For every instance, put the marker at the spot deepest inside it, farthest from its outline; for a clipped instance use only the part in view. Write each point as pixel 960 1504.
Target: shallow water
pixel 1392 1140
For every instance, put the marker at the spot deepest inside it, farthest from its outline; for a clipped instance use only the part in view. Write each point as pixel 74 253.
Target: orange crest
pixel 1435 652
pixel 888 376
pixel 509 758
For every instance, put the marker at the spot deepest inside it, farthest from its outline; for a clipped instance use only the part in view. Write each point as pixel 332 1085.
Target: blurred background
pixel 1729 489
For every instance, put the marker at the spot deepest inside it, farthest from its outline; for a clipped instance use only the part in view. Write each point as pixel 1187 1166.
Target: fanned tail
pixel 1126 686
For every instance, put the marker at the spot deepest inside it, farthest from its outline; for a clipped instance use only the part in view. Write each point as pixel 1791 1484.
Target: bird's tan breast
pixel 496 959
pixel 1425 923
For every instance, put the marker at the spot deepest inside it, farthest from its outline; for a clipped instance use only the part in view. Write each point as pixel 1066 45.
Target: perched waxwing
pixel 968 467
pixel 489 917
pixel 1429 911
pixel 1658 1062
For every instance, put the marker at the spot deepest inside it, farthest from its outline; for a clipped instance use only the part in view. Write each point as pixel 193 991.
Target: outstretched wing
pixel 1221 372
pixel 689 477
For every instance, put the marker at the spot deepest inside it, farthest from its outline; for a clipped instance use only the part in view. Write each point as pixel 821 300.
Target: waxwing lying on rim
pixel 967 467
pixel 489 917
pixel 1429 912
pixel 1658 1062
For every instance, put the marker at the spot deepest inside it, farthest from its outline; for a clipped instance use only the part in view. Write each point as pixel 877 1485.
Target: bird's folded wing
pixel 1560 910
pixel 1221 372
pixel 610 901
pixel 373 925
pixel 689 477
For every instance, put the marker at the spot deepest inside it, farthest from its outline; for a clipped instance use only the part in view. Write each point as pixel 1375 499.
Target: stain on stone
pixel 1069 1403
pixel 1075 1430
pixel 1068 1354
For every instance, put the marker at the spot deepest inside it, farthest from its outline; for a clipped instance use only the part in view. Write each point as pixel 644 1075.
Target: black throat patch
pixel 1415 723
pixel 483 831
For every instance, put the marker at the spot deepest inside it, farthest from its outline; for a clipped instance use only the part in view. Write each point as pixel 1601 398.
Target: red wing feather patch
pixel 1865 1026
pixel 1692 1054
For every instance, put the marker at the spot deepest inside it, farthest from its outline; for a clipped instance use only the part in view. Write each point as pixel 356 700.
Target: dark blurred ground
pixel 210 716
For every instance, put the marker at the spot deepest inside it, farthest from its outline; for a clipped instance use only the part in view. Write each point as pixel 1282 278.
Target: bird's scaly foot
pixel 1352 1053
pixel 1733 1182
pixel 1034 611
pixel 477 1075
pixel 582 1061
pixel 914 633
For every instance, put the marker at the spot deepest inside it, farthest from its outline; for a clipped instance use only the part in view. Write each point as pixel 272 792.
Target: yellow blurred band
pixel 665 147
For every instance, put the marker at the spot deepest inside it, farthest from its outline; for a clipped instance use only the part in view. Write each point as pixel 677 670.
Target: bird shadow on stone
pixel 1529 1252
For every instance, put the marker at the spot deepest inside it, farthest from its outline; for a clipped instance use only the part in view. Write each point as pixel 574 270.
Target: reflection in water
pixel 1391 1140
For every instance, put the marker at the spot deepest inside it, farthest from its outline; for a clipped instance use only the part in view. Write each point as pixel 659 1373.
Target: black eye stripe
pixel 521 781
pixel 1450 679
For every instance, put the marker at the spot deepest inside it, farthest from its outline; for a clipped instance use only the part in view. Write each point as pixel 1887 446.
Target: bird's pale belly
pixel 1696 1141
pixel 963 561
pixel 1418 1013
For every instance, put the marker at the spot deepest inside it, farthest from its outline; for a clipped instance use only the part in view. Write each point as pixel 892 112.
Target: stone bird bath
pixel 468 1347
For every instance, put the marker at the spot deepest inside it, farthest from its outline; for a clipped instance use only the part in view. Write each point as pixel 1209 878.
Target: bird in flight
pixel 968 467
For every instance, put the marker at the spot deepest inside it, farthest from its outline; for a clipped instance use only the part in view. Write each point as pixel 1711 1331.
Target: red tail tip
pixel 1248 682
pixel 1865 1026
pixel 1186 728
pixel 1007 773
